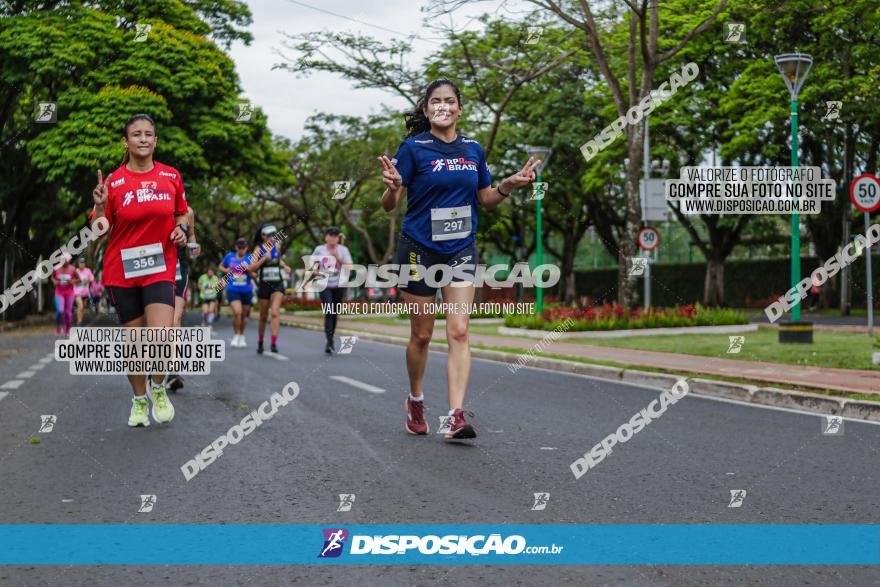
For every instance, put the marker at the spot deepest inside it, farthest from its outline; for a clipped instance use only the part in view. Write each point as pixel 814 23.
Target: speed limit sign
pixel 648 238
pixel 865 192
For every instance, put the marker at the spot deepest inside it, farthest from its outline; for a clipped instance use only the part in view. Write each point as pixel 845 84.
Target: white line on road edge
pixel 45 360
pixel 3 394
pixel 14 384
pixel 26 374
pixel 358 384
pixel 623 383
pixel 37 366
pixel 277 356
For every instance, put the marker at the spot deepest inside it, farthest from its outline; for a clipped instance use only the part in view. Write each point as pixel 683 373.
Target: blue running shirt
pixel 441 176
pixel 239 278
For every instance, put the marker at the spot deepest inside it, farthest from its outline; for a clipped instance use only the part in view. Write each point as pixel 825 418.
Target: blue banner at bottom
pixel 439 544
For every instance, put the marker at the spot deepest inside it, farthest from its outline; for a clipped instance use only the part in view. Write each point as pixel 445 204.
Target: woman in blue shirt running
pixel 446 176
pixel 236 266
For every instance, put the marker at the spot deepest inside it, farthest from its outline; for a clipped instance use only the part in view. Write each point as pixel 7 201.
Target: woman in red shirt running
pixel 145 205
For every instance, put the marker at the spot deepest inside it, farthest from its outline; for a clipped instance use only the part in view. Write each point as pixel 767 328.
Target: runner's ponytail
pixel 416 122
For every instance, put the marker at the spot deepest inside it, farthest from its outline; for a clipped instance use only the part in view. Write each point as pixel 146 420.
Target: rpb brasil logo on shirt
pixel 459 164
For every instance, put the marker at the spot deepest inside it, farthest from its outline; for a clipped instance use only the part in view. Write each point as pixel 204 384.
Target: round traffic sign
pixel 648 238
pixel 865 192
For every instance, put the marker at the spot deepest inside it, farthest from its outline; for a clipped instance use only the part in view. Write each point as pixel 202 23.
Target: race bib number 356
pixel 450 223
pixel 143 260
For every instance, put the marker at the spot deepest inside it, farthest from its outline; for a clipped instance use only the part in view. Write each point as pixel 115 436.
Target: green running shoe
pixel 138 416
pixel 163 411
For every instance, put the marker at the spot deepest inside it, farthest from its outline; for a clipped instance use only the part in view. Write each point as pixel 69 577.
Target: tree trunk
pixel 713 287
pixel 633 218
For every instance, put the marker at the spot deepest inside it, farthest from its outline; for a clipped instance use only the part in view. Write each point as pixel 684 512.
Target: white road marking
pixel 277 356
pixel 45 360
pixel 358 384
pixel 26 374
pixel 3 394
pixel 36 366
pixel 14 384
pixel 549 448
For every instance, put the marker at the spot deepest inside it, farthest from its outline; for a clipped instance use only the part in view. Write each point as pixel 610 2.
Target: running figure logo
pixel 347 344
pixel 438 165
pixel 243 112
pixel 128 198
pixel 341 189
pixel 832 426
pixel 832 110
pixel 445 424
pixel 45 112
pixel 334 541
pixel 141 32
pixel 533 35
pixel 734 32
pixel 541 501
pixel 346 500
pixel 735 344
pixel 637 266
pixel 539 190
pixel 147 503
pixel 737 496
pixel 48 423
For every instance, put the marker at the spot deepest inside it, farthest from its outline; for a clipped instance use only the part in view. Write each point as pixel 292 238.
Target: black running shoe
pixel 175 382
pixel 260 347
pixel 273 348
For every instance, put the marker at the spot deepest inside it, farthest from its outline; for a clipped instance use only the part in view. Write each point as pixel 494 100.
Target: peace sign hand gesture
pixel 99 194
pixel 525 175
pixel 393 180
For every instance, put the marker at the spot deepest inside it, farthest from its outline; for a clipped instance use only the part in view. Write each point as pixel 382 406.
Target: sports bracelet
pixel 503 195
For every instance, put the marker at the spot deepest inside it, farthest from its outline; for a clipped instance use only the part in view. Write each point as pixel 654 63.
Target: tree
pixel 86 62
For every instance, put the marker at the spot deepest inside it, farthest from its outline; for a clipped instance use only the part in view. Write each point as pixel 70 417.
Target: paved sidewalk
pixel 826 378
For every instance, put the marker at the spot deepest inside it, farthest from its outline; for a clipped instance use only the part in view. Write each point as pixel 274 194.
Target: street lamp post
pixel 355 220
pixel 794 68
pixel 542 153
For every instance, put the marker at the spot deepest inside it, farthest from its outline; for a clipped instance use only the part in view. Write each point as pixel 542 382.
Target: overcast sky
pixel 287 100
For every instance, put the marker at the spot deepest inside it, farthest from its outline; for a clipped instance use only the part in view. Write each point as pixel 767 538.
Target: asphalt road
pixel 339 437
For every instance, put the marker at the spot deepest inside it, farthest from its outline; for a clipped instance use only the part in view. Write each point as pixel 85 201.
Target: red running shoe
pixel 459 428
pixel 415 417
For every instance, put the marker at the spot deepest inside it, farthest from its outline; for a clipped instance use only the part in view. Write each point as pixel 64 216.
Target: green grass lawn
pixel 845 350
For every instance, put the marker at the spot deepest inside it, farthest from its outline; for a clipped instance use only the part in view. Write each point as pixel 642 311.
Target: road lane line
pixel 14 384
pixel 26 374
pixel 358 384
pixel 36 366
pixel 3 394
pixel 277 356
pixel 45 360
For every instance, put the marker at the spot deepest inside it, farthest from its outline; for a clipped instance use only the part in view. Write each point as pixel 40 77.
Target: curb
pixel 532 333
pixel 767 396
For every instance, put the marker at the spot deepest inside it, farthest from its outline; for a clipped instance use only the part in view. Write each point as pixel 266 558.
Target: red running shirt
pixel 141 208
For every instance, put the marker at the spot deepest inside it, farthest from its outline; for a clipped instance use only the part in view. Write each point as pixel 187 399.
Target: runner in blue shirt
pixel 239 289
pixel 446 176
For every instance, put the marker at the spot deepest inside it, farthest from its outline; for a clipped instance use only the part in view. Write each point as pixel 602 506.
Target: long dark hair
pixel 128 124
pixel 416 121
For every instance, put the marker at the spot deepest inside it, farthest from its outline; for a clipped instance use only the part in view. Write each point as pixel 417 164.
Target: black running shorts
pixel 410 253
pixel 131 301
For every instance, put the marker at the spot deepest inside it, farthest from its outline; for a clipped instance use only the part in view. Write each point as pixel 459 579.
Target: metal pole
pixel 539 257
pixel 868 273
pixel 795 218
pixel 646 166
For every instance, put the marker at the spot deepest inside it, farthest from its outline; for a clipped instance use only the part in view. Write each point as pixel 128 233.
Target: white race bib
pixel 450 223
pixel 143 260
